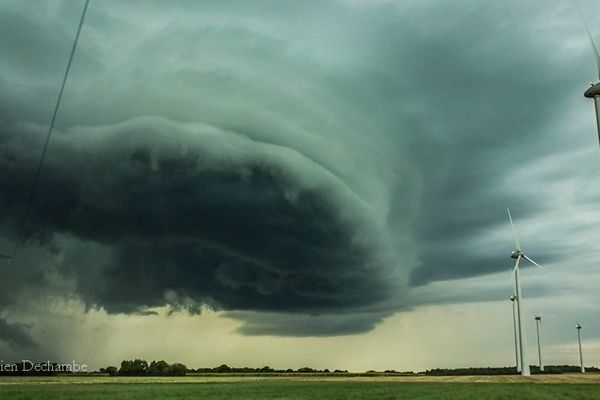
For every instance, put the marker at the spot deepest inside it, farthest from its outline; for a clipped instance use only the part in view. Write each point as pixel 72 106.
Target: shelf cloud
pixel 303 168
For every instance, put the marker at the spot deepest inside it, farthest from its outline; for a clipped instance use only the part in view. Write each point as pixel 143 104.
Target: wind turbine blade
pixel 587 28
pixel 517 245
pixel 533 262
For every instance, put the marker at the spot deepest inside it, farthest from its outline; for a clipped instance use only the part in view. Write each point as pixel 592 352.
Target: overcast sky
pixel 318 183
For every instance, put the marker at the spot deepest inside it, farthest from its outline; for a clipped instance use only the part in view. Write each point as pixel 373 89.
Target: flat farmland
pixel 565 386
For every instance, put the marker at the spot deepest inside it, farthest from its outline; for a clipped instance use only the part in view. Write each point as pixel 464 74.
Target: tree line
pixel 140 367
pixel 548 369
pixel 225 369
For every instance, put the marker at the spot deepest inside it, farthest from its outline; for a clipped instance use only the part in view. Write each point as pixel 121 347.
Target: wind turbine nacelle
pixel 593 91
pixel 516 254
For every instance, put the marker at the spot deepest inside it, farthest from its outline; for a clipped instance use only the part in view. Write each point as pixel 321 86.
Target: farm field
pixel 565 386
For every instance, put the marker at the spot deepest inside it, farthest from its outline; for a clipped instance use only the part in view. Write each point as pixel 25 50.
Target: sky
pixel 301 183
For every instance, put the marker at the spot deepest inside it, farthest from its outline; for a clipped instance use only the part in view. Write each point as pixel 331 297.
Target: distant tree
pixel 112 371
pixel 222 368
pixel 158 368
pixel 135 367
pixel 176 369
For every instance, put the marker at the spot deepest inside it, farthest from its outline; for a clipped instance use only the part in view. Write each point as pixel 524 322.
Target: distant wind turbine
pixel 517 254
pixel 580 352
pixel 513 301
pixel 538 322
pixel 593 92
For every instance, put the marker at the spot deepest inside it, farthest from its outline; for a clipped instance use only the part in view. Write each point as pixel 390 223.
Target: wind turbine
pixel 538 322
pixel 593 91
pixel 517 254
pixel 580 353
pixel 513 301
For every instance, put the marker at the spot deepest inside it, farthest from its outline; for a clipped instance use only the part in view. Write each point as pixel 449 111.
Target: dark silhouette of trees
pixel 225 369
pixel 112 371
pixel 140 367
pixel 177 369
pixel 158 368
pixel 135 367
pixel 548 369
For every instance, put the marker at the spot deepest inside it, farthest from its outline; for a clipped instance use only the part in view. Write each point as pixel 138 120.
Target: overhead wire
pixel 36 179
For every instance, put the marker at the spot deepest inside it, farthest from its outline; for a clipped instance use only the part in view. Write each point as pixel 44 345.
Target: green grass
pixel 273 389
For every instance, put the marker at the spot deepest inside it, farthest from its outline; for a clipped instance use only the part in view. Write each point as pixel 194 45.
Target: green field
pixel 291 389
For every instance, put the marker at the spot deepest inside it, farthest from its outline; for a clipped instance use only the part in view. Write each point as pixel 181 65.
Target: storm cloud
pixel 190 211
pixel 303 168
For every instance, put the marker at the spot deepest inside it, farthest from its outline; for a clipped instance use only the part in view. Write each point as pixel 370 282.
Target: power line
pixel 38 171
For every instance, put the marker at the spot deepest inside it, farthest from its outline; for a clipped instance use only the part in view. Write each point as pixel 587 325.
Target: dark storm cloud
pixel 15 335
pixel 238 231
pixel 333 148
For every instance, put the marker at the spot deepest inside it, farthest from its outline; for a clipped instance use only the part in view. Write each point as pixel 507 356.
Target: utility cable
pixel 21 231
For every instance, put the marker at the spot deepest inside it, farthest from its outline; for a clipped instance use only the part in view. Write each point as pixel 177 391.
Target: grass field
pixel 99 388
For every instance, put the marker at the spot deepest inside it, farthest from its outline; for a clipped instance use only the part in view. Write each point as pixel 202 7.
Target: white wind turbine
pixel 593 91
pixel 517 254
pixel 578 326
pixel 538 322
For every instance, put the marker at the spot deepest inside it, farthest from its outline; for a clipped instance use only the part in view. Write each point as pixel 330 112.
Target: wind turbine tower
pixel 516 255
pixel 580 353
pixel 517 363
pixel 538 322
